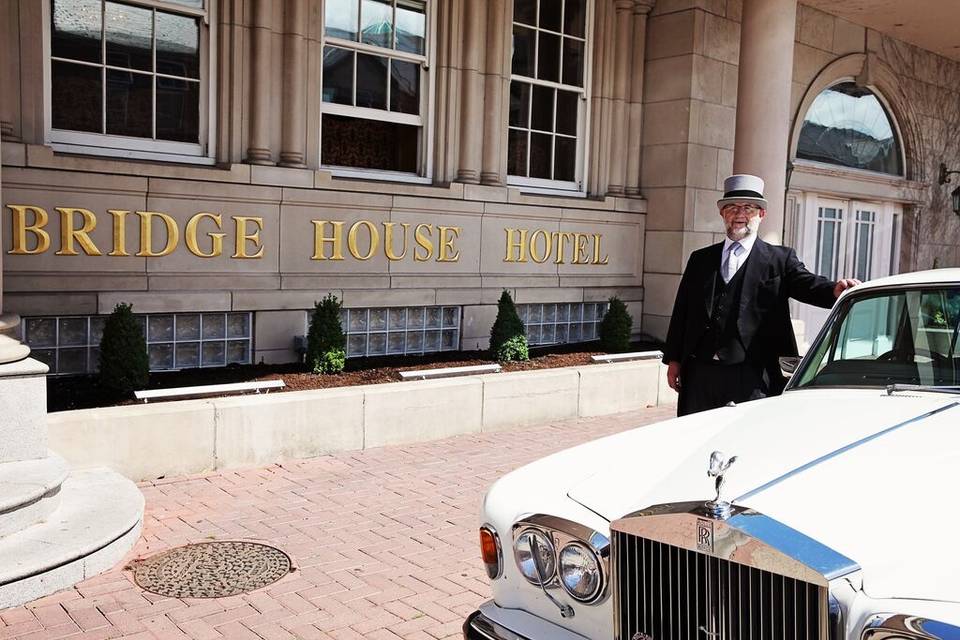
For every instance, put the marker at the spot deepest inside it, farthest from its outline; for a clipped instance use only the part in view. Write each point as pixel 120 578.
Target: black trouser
pixel 708 384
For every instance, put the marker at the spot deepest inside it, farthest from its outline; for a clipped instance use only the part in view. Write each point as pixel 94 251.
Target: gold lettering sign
pixel 204 235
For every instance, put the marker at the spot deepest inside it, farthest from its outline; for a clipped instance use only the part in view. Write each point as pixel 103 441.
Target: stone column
pixel 496 86
pixel 635 106
pixel 258 147
pixel 293 140
pixel 471 114
pixel 763 101
pixel 623 25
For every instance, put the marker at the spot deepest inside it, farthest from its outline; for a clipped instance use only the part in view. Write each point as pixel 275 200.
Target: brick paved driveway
pixel 384 541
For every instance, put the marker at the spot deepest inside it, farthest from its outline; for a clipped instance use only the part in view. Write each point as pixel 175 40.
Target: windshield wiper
pixel 892 388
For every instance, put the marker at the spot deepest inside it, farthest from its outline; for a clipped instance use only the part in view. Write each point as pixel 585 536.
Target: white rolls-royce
pixel 830 512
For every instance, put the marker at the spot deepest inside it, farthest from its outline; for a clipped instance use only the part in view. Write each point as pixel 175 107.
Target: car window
pixel 890 337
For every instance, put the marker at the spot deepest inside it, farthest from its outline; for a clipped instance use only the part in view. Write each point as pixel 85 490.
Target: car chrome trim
pixel 904 627
pixel 496 538
pixel 479 627
pixel 738 538
pixel 837 452
pixel 561 532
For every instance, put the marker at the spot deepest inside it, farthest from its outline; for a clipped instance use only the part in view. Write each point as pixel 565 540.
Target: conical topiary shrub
pixel 508 338
pixel 124 364
pixel 615 327
pixel 325 340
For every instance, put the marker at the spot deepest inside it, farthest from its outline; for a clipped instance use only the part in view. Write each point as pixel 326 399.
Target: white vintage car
pixel 835 520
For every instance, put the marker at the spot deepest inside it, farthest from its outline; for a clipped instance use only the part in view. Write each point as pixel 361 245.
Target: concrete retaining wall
pixel 148 441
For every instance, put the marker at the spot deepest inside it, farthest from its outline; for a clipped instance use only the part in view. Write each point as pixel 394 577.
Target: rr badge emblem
pixel 705 535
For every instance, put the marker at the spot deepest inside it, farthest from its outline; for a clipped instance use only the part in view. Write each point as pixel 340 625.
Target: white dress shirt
pixel 746 243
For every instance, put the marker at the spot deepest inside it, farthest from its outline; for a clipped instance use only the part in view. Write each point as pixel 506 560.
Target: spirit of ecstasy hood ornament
pixel 718 467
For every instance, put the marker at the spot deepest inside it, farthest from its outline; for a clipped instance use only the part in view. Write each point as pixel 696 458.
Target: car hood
pixel 870 475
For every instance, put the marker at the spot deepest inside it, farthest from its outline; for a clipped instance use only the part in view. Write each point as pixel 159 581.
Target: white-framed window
pixel 562 322
pixel 399 330
pixel 71 344
pixel 549 94
pixel 376 104
pixel 130 78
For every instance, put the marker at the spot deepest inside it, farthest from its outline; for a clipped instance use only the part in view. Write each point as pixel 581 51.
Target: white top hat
pixel 743 187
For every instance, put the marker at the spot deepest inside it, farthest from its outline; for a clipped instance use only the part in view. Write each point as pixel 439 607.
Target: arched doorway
pixel 844 217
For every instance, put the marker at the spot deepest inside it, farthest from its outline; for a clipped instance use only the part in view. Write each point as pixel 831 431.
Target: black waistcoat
pixel 722 337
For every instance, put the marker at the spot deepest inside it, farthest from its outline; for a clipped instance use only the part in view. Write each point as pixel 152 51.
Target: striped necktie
pixel 732 261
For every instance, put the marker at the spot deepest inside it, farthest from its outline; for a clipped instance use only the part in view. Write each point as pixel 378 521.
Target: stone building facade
pixel 223 164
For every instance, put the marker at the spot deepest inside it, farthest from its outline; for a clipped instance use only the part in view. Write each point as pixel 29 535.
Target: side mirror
pixel 789 364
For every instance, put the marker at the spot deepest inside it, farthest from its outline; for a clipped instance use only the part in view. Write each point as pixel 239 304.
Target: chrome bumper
pixel 480 627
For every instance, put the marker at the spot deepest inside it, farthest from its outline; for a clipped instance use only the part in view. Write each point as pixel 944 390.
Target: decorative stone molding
pixel 293 149
pixel 258 151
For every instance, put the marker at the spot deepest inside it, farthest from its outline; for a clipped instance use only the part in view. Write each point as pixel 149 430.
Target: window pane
pixel 337 75
pixel 411 25
pixel 129 32
pixel 433 318
pixel 431 341
pixel 371 81
pixel 341 18
pixel 448 340
pixel 548 57
pixel 414 341
pixel 573 17
pixel 517 153
pixel 41 332
pixel 187 353
pixel 73 361
pixel 358 320
pixel 159 328
pixel 378 319
pixel 238 351
pixel 565 158
pixel 573 62
pixel 567 104
pixel 96 328
pixel 129 104
pixel 414 317
pixel 212 354
pixel 550 14
pixel 357 345
pixel 214 325
pixel 238 325
pixel 178 110
pixel 523 43
pixel 73 331
pixel 398 319
pixel 178 45
pixel 846 125
pixel 377 344
pixel 77 97
pixel 404 87
pixel 396 343
pixel 542 109
pixel 195 4
pixel 519 104
pixel 451 316
pixel 370 144
pixel 75 29
pixel 540 155
pixel 188 326
pixel 161 356
pixel 376 23
pixel 525 11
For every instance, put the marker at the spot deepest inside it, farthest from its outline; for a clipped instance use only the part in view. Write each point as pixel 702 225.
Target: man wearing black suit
pixel 731 320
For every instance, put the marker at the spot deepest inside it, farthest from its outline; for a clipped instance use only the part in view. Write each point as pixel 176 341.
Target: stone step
pixel 98 521
pixel 29 491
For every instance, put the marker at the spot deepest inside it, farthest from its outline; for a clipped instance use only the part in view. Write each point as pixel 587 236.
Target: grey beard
pixel 747 230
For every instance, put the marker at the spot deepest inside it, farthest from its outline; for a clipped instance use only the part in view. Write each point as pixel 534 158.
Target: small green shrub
pixel 325 340
pixel 514 349
pixel 508 329
pixel 615 328
pixel 124 364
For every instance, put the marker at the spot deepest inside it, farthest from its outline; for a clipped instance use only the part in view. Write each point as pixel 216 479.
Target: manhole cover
pixel 211 569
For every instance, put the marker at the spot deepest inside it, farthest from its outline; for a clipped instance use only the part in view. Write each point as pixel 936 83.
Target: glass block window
pixel 562 322
pixel 376 79
pixel 400 330
pixel 71 345
pixel 129 74
pixel 548 93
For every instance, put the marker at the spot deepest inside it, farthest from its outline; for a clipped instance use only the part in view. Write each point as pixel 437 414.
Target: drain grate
pixel 211 569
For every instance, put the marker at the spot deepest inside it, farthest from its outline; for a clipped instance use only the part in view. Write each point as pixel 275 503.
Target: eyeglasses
pixel 749 209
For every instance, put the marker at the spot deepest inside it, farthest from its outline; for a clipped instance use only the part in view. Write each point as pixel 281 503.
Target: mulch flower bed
pixel 83 392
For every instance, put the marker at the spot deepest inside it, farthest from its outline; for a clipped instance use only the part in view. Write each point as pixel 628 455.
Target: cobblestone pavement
pixel 384 542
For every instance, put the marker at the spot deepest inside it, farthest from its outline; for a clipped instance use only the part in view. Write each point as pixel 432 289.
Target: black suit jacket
pixel 773 275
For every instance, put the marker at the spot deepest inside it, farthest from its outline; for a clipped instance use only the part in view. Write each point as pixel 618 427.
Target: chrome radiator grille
pixel 666 592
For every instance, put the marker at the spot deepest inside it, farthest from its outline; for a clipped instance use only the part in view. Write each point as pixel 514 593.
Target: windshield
pixel 889 337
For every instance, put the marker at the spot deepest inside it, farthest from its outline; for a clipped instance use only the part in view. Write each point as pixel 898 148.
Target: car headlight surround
pixel 559 534
pixel 529 547
pixel 580 572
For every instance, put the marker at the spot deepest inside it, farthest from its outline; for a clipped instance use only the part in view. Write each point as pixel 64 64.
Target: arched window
pixel 848 126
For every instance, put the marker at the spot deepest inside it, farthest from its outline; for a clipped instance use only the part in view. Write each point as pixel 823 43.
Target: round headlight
pixel 580 572
pixel 532 548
